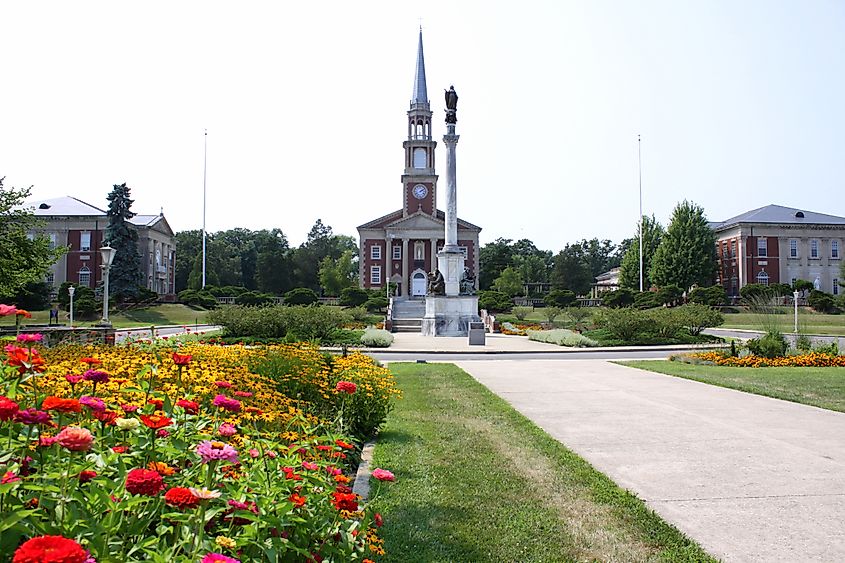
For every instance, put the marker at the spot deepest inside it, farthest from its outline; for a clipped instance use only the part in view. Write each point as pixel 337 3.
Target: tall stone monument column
pixel 449 313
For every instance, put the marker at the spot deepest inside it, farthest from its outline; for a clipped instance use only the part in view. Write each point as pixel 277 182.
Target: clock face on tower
pixel 420 191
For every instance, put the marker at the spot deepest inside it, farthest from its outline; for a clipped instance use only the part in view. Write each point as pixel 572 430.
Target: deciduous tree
pixel 687 253
pixel 629 272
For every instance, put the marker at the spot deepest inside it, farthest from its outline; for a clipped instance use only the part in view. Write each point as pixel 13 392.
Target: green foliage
pixel 22 260
pixel 803 343
pixel 254 298
pixel 715 295
pixel 622 297
pixel 320 244
pixel 376 338
pixel 494 301
pixel 821 301
pixel 687 252
pixel 670 295
pixel 560 298
pixel 696 317
pixel 755 291
pixel 803 285
pixel 831 348
pixel 577 315
pixel 781 289
pixel 629 271
pixel 376 303
pixel 125 271
pixel 647 300
pixel 509 282
pixel 521 313
pixel 562 337
pixel 34 296
pixel 551 313
pixel 353 296
pixel 770 345
pixel 80 293
pixel 494 257
pixel 572 270
pixel 338 274
pixel 294 322
pixel 300 296
pixel 624 324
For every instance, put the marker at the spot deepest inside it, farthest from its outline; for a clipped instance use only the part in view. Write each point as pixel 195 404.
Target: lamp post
pixel 70 291
pixel 795 301
pixel 388 255
pixel 108 257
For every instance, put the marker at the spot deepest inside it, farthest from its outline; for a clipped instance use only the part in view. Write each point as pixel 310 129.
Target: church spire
pixel 420 93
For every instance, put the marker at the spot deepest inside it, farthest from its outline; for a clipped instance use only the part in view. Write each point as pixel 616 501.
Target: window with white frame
pixel 52 237
pixel 397 252
pixel 50 278
pixel 834 249
pixel 84 241
pixel 793 248
pixel 733 248
pixel 836 286
pixel 792 283
pixel 763 278
pixel 375 252
pixel 762 247
pixel 85 277
pixel 375 275
pixel 814 248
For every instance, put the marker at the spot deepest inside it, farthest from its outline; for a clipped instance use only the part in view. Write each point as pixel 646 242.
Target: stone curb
pixel 668 348
pixel 361 486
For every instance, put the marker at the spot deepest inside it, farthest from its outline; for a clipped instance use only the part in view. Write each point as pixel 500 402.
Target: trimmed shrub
pixel 754 291
pixel 562 337
pixel 647 300
pixel 374 304
pixel 521 313
pixel 560 298
pixel 252 298
pixel 300 296
pixel 665 323
pixel 624 324
pixel 295 322
pixel 494 301
pixel 376 338
pixel 551 313
pixel 696 317
pixel 353 296
pixel 622 297
pixel 714 296
pixel 821 301
pixel 670 295
pixel 770 345
pixel 358 314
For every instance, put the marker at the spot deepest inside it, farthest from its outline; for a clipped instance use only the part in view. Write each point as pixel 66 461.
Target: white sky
pixel 740 104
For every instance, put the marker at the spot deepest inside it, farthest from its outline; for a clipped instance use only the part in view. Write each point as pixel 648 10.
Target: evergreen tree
pixel 125 272
pixel 629 272
pixel 23 260
pixel 687 253
pixel 572 270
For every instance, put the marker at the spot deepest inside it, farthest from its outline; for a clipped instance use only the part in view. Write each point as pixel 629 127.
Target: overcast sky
pixel 740 104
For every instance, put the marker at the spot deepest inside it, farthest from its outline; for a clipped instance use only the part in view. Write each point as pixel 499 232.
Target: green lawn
pixel 808 322
pixel 820 387
pixel 477 481
pixel 165 314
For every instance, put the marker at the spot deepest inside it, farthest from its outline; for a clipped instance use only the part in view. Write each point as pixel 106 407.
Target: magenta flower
pixel 383 475
pixel 73 379
pixel 213 451
pixel 93 403
pixel 227 430
pixel 95 376
pixel 225 403
pixel 33 416
pixel 309 465
pixel 218 558
pixel 129 408
pixel 223 384
pixel 33 337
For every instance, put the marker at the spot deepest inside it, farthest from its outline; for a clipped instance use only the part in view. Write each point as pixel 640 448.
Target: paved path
pixel 750 478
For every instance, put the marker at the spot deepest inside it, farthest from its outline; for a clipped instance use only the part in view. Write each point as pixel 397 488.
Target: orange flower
pixel 23 313
pixel 155 421
pixel 58 404
pixel 161 468
pixel 297 500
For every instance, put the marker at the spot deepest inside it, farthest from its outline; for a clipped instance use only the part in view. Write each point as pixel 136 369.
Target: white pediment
pixel 417 221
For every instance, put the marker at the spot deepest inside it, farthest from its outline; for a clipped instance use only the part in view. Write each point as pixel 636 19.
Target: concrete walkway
pixel 750 478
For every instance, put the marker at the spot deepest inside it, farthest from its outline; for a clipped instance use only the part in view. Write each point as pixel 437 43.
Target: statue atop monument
pixel 451 105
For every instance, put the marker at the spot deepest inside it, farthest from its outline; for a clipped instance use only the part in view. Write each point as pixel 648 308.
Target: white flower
pixel 127 424
pixel 204 493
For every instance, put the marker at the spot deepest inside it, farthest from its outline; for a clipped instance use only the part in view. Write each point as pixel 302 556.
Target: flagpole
pixel 640 161
pixel 204 168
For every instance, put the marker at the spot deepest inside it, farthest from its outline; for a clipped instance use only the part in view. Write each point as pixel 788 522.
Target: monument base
pixel 447 315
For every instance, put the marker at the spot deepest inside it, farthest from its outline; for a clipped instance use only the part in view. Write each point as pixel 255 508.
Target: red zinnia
pixel 155 421
pixel 85 476
pixel 297 500
pixel 346 387
pixel 144 482
pixel 344 445
pixel 61 405
pixel 105 416
pixel 120 449
pixel 50 549
pixel 181 498
pixel 157 403
pixel 345 501
pixel 191 407
pixel 181 359
pixel 8 408
pixel 90 361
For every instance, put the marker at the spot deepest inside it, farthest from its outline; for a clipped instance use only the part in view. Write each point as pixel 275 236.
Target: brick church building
pixel 402 245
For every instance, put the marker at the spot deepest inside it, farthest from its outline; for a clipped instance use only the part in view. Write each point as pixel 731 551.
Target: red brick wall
pixel 772 260
pixel 76 258
pixel 367 262
pixel 414 203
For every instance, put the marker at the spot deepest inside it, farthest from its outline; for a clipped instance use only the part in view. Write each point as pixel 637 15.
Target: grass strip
pixel 477 481
pixel 819 387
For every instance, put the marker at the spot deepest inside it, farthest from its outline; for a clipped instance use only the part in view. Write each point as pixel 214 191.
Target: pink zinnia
pixel 30 337
pixel 253 453
pixel 95 376
pixel 227 430
pixel 212 451
pixel 75 439
pixel 129 408
pixel 308 465
pixel 33 416
pixel 73 379
pixel 383 475
pixel 223 384
pixel 245 394
pixel 218 558
pixel 346 387
pixel 225 403
pixel 6 310
pixel 9 477
pixel 93 403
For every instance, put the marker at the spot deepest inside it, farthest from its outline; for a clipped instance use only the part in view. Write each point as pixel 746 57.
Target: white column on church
pixel 405 288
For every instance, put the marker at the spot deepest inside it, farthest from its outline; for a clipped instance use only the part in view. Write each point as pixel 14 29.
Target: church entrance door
pixel 418 284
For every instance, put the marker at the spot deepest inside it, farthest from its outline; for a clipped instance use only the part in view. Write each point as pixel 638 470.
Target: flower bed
pixel 519 329
pixel 812 359
pixel 142 454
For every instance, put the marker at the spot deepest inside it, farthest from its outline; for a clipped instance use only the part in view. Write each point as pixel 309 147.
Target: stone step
pixel 407 325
